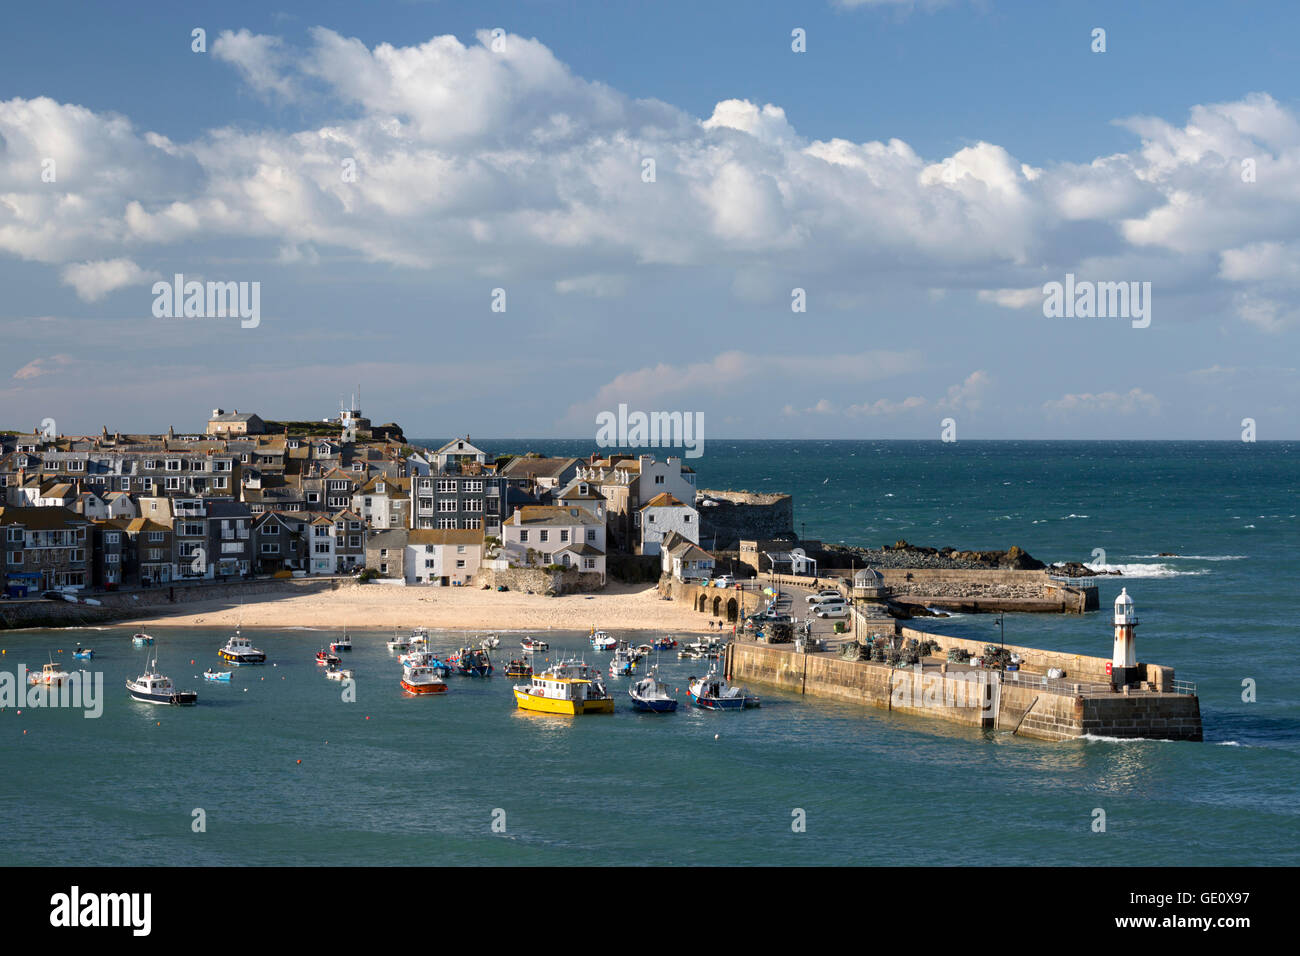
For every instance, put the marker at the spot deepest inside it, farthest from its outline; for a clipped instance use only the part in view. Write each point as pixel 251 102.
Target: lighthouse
pixel 1123 665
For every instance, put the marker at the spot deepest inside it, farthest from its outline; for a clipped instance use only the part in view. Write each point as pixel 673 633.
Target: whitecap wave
pixel 1069 516
pixel 1146 570
pixel 1098 738
pixel 1197 557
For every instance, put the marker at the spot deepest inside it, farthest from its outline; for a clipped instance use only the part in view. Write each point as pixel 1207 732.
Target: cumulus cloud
pixel 1127 403
pixel 466 155
pixel 1013 298
pixel 43 366
pixel 94 280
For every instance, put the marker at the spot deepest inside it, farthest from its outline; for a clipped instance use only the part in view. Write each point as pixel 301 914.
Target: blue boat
pixel 83 653
pixel 649 696
pixel 210 674
pixel 473 662
pixel 715 693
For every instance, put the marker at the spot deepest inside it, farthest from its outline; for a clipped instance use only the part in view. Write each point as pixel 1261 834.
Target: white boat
pixel 713 692
pixel 533 644
pixel 152 687
pixel 650 696
pixel 51 675
pixel 240 650
pixel 622 664
pixel 422 679
pixel 601 641
pixel 491 642
pixel 398 644
pixel 344 643
pixel 338 673
pixel 140 639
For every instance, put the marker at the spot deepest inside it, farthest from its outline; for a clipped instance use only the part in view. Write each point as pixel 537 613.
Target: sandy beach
pixel 619 607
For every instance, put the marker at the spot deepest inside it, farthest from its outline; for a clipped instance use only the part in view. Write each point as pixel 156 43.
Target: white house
pixel 320 546
pixel 662 514
pixel 444 556
pixel 541 535
pixel 585 495
pixel 683 559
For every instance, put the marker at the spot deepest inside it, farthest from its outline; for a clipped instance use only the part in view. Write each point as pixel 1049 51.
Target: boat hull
pixel 654 706
pixel 230 658
pixel 546 705
pixel 722 703
pixel 421 689
pixel 184 698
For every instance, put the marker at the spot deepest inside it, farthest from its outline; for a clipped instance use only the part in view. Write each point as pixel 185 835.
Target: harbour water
pixel 390 779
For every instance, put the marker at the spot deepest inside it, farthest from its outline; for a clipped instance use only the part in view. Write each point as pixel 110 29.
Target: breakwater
pixel 1025 703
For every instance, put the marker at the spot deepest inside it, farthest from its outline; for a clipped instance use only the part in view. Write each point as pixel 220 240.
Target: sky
pixel 452 206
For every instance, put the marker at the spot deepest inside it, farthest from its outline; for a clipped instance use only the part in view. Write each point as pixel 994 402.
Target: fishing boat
pixel 333 672
pixel 622 664
pixel 140 639
pixel 601 641
pixel 532 644
pixel 152 687
pixel 419 637
pixel 650 696
pixel 398 644
pixel 240 650
pixel 51 675
pixel 489 643
pixel 325 658
pixel 344 643
pixel 664 643
pixel 83 653
pixel 519 668
pixel 440 667
pixel 420 679
pixel 569 687
pixel 473 662
pixel 712 692
pixel 222 676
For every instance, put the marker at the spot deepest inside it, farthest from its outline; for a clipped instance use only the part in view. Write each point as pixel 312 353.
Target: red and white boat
pixel 325 658
pixel 422 679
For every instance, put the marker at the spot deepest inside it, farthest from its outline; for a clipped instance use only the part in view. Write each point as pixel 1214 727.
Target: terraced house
pixel 462 492
pixel 45 548
pixel 548 535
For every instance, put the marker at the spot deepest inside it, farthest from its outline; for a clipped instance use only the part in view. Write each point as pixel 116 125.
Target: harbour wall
pixel 976 699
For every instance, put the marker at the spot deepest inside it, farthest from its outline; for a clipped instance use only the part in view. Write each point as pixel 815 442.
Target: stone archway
pixel 731 610
pixel 700 602
pixel 717 606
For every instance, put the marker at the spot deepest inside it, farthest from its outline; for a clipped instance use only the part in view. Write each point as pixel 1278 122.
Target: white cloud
pixel 1127 403
pixel 94 280
pixel 1013 298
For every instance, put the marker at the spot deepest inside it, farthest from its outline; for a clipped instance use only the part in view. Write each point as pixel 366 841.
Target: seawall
pixel 1030 707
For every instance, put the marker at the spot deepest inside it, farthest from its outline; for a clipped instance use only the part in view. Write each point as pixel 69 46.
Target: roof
pixel 581 548
pixel 664 500
pixel 552 515
pixel 525 467
pixel 228 509
pixel 42 519
pixel 446 536
pixel 233 417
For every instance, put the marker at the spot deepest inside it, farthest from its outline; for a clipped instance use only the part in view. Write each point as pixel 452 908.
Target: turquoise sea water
pixel 391 779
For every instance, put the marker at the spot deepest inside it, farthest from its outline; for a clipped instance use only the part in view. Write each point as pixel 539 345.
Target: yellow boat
pixel 570 687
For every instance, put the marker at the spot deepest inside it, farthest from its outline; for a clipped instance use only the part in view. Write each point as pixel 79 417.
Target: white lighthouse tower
pixel 1123 665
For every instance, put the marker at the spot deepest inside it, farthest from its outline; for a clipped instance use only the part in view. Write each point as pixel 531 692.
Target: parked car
pixel 832 610
pixel 724 581
pixel 824 594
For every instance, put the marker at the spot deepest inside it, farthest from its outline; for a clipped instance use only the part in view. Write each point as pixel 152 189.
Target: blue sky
pixel 920 172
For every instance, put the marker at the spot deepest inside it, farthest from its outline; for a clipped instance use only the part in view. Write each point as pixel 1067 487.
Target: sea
pixel 278 768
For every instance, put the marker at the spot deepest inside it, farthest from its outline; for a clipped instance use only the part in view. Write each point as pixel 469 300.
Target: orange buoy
pixel 300 761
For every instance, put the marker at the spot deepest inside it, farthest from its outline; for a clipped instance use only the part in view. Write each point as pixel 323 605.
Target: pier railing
pixel 1185 687
pixel 1055 685
pixel 1073 582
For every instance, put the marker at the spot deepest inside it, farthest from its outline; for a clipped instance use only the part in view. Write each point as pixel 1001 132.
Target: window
pixel 383 552
pixel 475 486
pixel 354 541
pixel 687 518
pixel 447 524
pixel 383 569
pixel 460 549
pixel 564 534
pixel 270 528
pixel 591 534
pixel 270 547
pixel 14 535
pixel 112 558
pixel 429 563
pixel 472 523
pixel 474 505
pixel 447 485
pixel 76 466
pixel 543 535
pixel 460 563
pixel 322 547
pixel 112 537
pixel 523 535
pixel 448 505
pixel 15 557
pixel 157 536
pixel 219 482
pixel 173 464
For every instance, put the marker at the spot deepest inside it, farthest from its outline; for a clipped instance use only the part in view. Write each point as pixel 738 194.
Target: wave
pixel 1097 738
pixel 1146 570
pixel 1197 557
pixel 1069 516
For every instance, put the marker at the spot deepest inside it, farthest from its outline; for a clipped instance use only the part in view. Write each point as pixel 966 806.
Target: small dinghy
pixel 84 653
pixel 519 668
pixel 491 642
pixel 532 644
pixel 141 639
pixel 222 676
pixel 338 673
pixel 326 659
